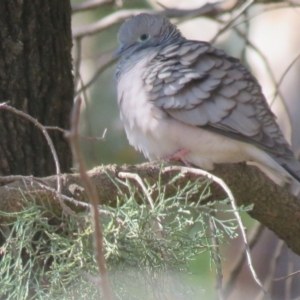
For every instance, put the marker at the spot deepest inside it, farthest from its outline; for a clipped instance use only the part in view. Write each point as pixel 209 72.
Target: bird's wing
pixel 200 85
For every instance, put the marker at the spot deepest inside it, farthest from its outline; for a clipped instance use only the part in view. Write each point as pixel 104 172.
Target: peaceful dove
pixel 187 100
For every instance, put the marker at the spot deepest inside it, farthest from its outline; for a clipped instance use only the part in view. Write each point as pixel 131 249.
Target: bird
pixel 187 100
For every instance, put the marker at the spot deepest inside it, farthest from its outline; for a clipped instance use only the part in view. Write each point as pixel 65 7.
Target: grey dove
pixel 183 99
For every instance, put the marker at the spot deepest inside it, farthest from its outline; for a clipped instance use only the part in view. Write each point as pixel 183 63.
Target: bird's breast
pixel 142 120
pixel 158 135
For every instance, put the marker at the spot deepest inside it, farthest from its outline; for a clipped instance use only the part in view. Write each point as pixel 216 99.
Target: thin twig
pixel 270 7
pixel 289 281
pixel 235 211
pixel 69 199
pixel 283 75
pixel 216 258
pixel 46 135
pixel 138 179
pixel 267 65
pixel 287 276
pixel 89 5
pixel 11 178
pixel 228 24
pixel 38 181
pixel 209 10
pixel 65 208
pixel 74 201
pixel 87 115
pixel 33 180
pixel 274 82
pixel 99 71
pixel 273 265
pixel 77 61
pixel 104 23
pixel 91 138
pixel 93 197
pixel 253 238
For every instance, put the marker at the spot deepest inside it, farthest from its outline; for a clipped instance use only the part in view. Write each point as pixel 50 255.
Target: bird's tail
pixel 284 169
pixel 292 166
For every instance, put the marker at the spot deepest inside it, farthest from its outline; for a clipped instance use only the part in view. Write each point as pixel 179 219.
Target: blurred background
pixel 266 38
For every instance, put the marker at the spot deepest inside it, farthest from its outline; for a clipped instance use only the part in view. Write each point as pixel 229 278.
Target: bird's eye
pixel 144 37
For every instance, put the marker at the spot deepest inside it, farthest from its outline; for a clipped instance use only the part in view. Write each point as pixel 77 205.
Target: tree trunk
pixel 35 77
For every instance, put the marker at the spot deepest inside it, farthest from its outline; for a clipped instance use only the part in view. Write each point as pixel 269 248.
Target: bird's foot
pixel 179 155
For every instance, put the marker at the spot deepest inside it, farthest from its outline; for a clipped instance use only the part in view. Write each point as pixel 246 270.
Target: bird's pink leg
pixel 179 155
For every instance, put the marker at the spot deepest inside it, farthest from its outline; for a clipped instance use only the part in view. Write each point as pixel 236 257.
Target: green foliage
pixel 42 254
pixel 148 248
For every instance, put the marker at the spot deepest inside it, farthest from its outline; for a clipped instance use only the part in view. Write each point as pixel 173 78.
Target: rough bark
pixel 35 77
pixel 273 206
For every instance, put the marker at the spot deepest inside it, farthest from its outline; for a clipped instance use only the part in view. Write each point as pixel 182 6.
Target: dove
pixel 187 100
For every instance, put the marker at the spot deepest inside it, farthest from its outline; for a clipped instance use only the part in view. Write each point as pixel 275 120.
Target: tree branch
pixel 90 5
pixel 273 205
pixel 209 10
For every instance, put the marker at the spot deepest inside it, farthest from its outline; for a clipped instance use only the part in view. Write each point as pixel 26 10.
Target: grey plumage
pixel 179 87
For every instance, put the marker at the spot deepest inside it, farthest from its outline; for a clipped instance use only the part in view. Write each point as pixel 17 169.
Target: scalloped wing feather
pixel 212 89
pixel 202 86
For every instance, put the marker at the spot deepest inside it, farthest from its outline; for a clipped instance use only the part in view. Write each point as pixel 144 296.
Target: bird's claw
pixel 179 156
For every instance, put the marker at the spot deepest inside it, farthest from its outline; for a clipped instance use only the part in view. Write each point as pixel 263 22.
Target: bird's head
pixel 143 31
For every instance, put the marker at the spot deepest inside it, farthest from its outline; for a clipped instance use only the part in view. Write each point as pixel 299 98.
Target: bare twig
pixel 289 281
pixel 283 76
pixel 217 259
pixel 273 266
pixel 246 34
pixel 87 113
pixel 208 10
pixel 64 197
pixel 99 71
pixel 77 61
pixel 106 22
pixel 253 238
pixel 247 248
pixel 274 82
pixel 46 135
pixel 235 211
pixel 91 138
pixel 242 9
pixel 71 200
pixel 270 7
pixel 211 10
pixel 38 181
pixel 138 179
pixel 89 5
pixel 11 178
pixel 93 197
pixel 287 276
pixel 65 208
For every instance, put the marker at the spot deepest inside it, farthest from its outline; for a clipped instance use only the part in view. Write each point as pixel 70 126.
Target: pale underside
pixel 152 131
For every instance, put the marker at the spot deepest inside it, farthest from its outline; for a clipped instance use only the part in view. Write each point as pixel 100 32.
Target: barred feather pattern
pixel 175 94
pixel 200 85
